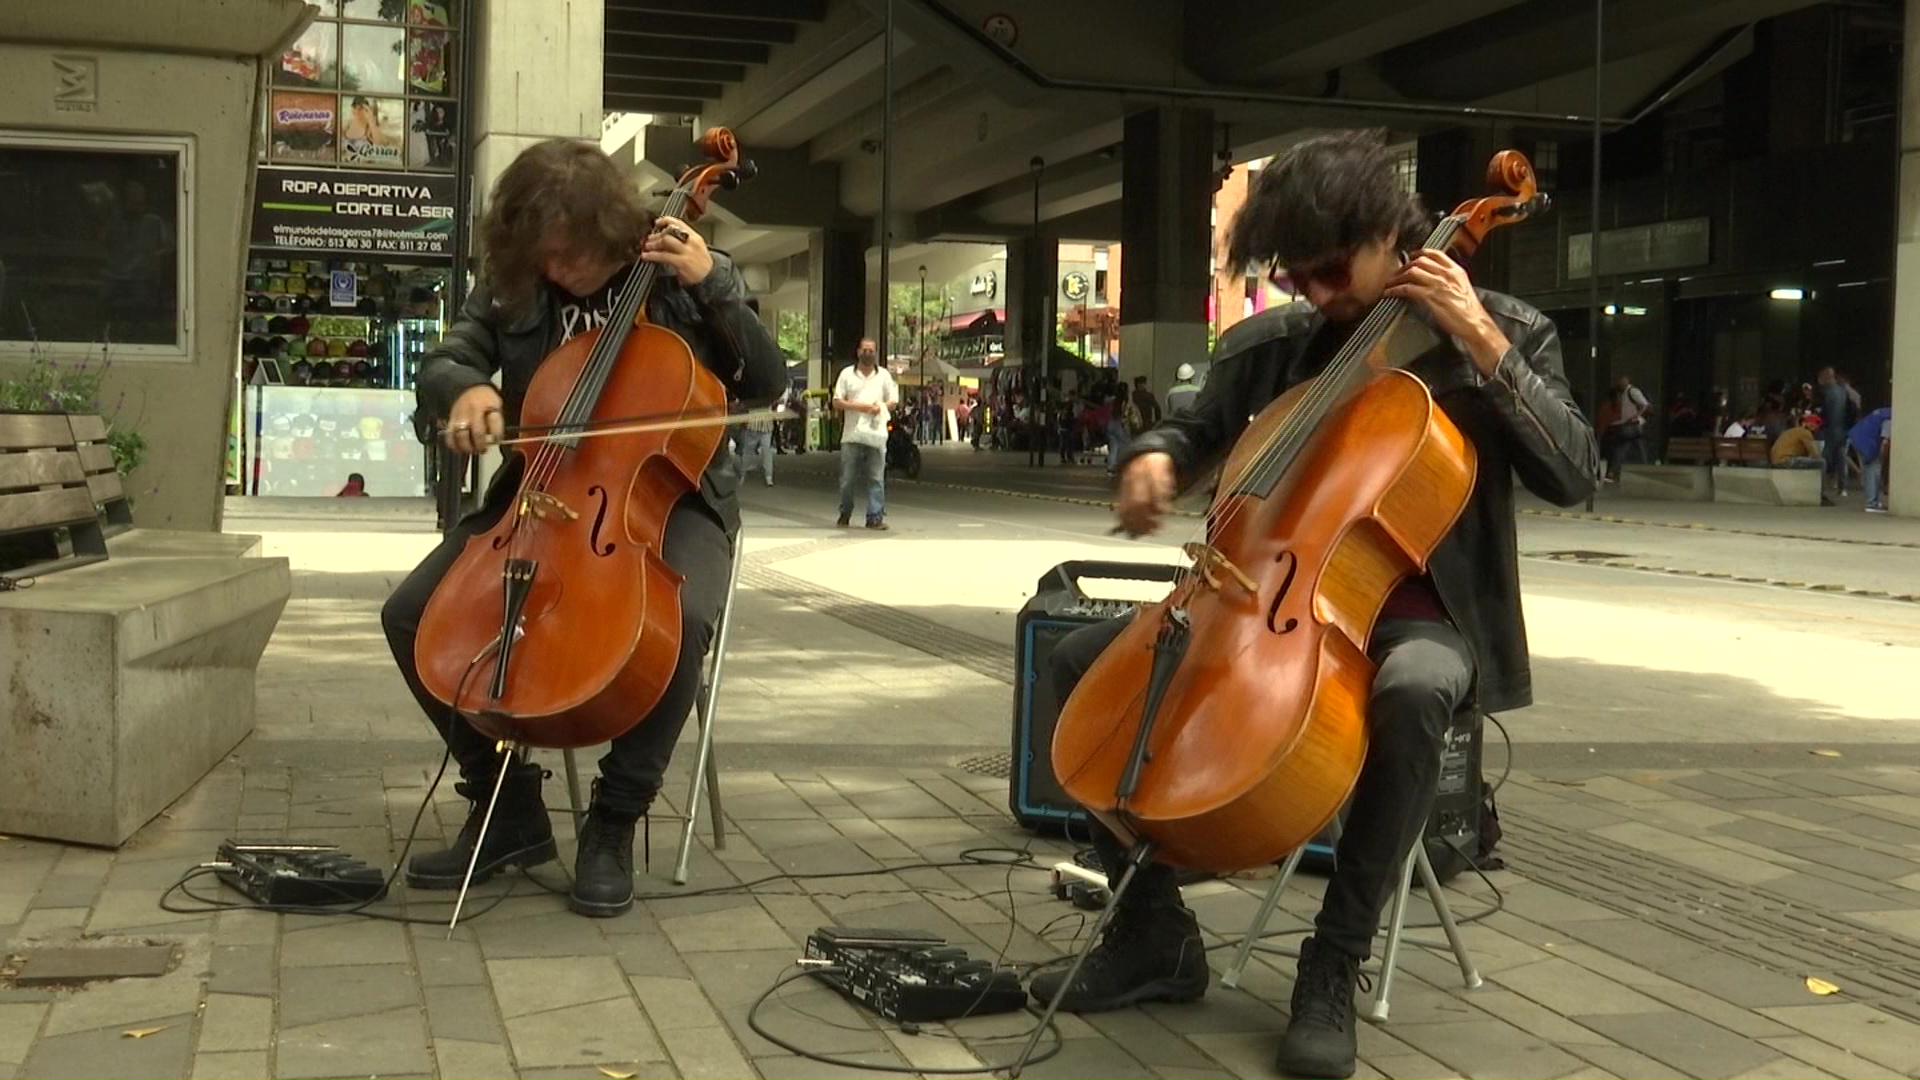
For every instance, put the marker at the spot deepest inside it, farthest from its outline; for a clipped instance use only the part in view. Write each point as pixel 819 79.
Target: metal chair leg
pixel 1391 956
pixel 1468 973
pixel 573 785
pixel 1243 952
pixel 705 772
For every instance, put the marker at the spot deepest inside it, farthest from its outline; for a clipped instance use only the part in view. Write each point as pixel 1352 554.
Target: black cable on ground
pixel 753 1022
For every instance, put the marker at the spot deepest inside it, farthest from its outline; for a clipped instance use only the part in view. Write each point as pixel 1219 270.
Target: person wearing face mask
pixel 865 396
pixel 565 234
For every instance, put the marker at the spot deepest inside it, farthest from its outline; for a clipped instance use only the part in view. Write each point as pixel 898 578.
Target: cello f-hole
pixel 599 519
pixel 1280 595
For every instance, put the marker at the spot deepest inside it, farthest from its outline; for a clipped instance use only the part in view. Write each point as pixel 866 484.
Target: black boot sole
pixel 595 910
pixel 1308 1069
pixel 545 851
pixel 1170 991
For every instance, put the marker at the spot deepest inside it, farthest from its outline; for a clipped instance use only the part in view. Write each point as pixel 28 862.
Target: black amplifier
pixel 911 975
pixel 1456 823
pixel 1059 607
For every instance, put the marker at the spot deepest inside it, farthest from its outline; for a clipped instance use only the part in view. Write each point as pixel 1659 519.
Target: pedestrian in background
pixel 865 395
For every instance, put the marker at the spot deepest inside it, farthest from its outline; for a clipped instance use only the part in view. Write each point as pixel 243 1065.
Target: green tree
pixel 793 337
pixel 903 328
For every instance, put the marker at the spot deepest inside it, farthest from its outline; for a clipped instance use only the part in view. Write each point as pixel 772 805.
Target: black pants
pixel 697 546
pixel 1425 673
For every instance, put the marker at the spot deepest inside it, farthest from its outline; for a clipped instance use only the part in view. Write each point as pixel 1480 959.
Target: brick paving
pixel 1658 922
pixel 1653 921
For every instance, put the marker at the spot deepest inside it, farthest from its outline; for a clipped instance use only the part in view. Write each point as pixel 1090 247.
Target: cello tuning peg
pixel 747 169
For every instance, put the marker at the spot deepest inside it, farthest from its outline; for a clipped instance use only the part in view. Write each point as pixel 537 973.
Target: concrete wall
pixel 170 68
pixel 1906 285
pixel 539 76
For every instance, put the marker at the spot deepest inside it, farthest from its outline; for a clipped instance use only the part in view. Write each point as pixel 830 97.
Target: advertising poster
pixel 430 133
pixel 344 211
pixel 372 59
pixel 427 62
pixel 373 131
pixel 301 127
pixel 313 60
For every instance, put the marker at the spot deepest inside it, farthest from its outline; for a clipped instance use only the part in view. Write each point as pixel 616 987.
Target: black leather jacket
pixel 1522 421
pixel 712 316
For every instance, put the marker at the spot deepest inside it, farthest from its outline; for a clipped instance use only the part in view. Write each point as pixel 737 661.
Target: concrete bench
pixel 127 677
pixel 1678 483
pixel 1766 487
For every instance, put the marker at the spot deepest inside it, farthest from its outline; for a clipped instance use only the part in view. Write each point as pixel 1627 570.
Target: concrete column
pixel 836 301
pixel 553 46
pixel 1166 193
pixel 1906 285
pixel 1033 286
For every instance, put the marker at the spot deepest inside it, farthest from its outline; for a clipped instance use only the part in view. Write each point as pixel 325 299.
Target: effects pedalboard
pixel 308 875
pixel 912 976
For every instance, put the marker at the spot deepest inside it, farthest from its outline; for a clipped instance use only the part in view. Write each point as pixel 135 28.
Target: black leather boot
pixel 1320 1040
pixel 1148 953
pixel 519 835
pixel 603 866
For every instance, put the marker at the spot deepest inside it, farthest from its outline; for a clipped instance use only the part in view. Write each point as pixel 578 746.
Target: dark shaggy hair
pixel 1325 197
pixel 564 188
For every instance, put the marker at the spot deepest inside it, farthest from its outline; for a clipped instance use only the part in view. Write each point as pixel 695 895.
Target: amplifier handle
pixel 1066 577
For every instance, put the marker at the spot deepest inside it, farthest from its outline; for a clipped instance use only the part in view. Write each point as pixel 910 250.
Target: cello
pixel 1226 725
pixel 559 627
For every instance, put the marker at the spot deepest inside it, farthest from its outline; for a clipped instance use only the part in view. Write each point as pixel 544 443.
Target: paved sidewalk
pixel 1655 924
pixel 1656 921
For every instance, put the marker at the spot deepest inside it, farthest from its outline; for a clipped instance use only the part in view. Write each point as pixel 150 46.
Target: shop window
pixel 95 236
pixel 369 84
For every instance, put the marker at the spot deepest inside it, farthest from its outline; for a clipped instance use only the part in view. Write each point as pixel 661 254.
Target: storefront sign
pixel 352 212
pixel 1641 249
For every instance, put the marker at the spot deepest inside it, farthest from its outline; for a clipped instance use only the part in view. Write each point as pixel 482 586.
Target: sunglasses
pixel 1334 274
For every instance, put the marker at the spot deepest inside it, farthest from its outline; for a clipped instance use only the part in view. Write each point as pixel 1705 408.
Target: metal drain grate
pixel 999 765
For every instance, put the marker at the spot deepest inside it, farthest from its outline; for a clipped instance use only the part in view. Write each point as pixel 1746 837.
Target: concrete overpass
pixel 1145 92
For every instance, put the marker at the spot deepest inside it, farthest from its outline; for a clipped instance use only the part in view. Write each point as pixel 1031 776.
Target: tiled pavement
pixel 1654 924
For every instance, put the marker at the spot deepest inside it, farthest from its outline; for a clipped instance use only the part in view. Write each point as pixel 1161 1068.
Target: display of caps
pixel 337 347
pixel 317 284
pixel 303 304
pixel 259 324
pixel 298 325
pixel 357 348
pixel 259 303
pixel 257 282
pixel 256 266
pixel 302 370
pixel 283 304
pixel 297 346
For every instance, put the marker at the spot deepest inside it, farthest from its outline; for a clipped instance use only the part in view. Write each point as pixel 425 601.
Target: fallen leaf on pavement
pixel 141 1033
pixel 615 1074
pixel 1821 986
pixel 1825 753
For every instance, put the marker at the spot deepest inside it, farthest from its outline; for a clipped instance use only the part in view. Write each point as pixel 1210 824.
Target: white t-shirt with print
pixel 867 429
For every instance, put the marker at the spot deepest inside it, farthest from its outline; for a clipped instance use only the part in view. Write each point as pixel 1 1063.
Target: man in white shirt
pixel 865 394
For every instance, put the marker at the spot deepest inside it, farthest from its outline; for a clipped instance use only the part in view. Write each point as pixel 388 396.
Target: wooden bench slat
pixel 38 468
pixel 88 428
pixel 46 509
pixel 33 431
pixel 97 458
pixel 105 487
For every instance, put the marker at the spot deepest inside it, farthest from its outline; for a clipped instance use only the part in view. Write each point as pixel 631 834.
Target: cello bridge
pixel 545 507
pixel 1209 563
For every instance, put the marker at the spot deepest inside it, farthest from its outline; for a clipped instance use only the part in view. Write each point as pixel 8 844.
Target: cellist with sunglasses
pixel 1331 216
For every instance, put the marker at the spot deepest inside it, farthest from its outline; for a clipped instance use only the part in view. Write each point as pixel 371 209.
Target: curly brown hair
pixel 559 188
pixel 1322 197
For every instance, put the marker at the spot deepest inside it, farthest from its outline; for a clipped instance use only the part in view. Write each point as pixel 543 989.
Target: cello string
pixel 577 411
pixel 1289 437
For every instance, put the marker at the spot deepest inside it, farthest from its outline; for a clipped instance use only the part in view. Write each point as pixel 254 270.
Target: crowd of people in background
pixel 1822 424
